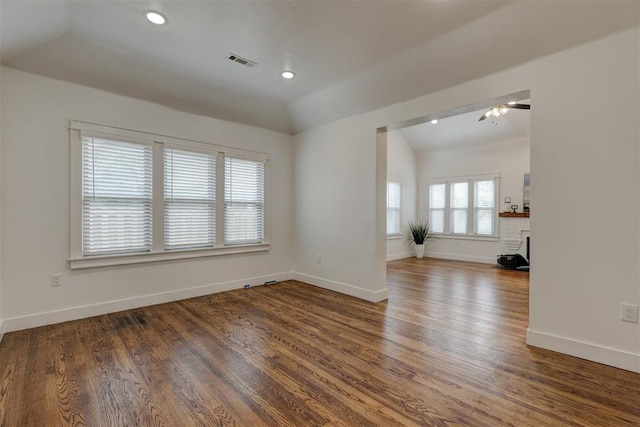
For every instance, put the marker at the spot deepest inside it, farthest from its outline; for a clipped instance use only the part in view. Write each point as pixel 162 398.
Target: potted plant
pixel 418 233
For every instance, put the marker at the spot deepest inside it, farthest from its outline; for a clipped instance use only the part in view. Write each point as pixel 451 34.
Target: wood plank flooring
pixel 447 348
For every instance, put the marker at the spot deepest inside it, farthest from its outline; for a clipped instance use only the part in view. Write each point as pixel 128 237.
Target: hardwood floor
pixel 447 348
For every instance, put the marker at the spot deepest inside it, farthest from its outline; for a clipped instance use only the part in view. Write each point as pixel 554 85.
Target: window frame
pixel 398 181
pixel 471 206
pixel 77 260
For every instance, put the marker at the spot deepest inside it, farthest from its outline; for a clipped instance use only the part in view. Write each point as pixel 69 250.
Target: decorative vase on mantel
pixel 420 251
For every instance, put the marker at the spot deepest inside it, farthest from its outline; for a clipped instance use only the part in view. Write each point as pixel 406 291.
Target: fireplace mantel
pixel 514 215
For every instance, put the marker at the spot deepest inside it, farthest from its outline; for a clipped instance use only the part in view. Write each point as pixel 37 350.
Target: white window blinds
pixel 116 197
pixel 437 203
pixel 485 206
pixel 459 205
pixel 243 201
pixel 189 199
pixel 393 207
pixel 464 206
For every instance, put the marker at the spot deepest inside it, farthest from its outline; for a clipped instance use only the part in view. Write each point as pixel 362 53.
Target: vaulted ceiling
pixel 348 56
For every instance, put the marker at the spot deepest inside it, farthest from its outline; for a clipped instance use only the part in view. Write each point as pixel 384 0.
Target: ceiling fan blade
pixel 519 106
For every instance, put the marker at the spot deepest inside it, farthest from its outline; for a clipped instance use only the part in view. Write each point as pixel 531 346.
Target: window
pixel 116 197
pixel 463 206
pixel 459 207
pixel 138 197
pixel 394 194
pixel 485 207
pixel 243 201
pixel 437 205
pixel 189 199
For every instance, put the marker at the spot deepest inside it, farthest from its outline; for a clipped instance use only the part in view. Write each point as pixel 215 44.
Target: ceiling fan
pixel 502 109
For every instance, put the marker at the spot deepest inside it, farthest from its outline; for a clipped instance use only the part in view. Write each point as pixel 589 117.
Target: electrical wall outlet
pixel 56 280
pixel 318 259
pixel 629 313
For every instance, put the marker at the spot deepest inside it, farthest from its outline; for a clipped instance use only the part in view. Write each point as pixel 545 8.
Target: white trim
pixel 108 260
pixel 584 350
pixel 495 238
pixel 464 178
pixel 82 312
pixel 402 255
pixel 458 257
pixel 111 131
pixel 343 288
pixel 1 331
pixel 158 198
pixel 394 236
pixel 220 171
pixel 75 193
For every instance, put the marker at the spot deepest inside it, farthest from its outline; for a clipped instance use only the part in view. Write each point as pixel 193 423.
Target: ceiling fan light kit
pixel 501 110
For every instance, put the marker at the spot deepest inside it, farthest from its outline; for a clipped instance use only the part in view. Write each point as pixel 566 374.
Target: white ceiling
pixel 349 56
pixel 465 129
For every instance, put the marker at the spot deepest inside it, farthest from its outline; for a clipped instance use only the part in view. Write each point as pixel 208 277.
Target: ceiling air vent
pixel 240 60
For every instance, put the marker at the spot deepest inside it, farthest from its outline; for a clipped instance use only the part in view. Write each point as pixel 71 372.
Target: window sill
pixel 467 237
pixel 111 260
pixel 394 236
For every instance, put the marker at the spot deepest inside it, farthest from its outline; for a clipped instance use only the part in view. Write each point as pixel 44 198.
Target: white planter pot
pixel 419 251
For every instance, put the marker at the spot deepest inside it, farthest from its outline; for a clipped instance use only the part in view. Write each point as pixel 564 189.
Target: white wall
pixel 335 209
pixel 401 164
pixel 509 158
pixel 1 251
pixel 35 202
pixel 584 157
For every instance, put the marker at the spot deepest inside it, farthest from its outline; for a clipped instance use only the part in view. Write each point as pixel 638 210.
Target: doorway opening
pixel 456 170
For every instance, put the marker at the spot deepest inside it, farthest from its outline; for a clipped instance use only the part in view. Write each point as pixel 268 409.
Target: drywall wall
pixel 1 300
pixel 508 158
pixel 584 158
pixel 35 202
pixel 401 164
pixel 335 246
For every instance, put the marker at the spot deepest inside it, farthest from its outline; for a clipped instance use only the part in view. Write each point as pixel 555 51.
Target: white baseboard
pixel 343 288
pixel 82 312
pixel 402 255
pixel 458 257
pixel 1 331
pixel 584 350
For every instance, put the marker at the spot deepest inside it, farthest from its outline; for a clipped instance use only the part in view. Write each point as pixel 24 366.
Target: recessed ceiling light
pixel 434 121
pixel 155 17
pixel 287 75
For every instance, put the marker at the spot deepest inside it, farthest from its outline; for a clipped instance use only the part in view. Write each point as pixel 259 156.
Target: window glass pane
pixel 437 203
pixel 459 205
pixel 485 201
pixel 459 195
pixel 393 207
pixel 437 196
pixel 189 199
pixel 458 220
pixel 116 197
pixel 243 201
pixel 484 221
pixel 485 194
pixel 436 220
